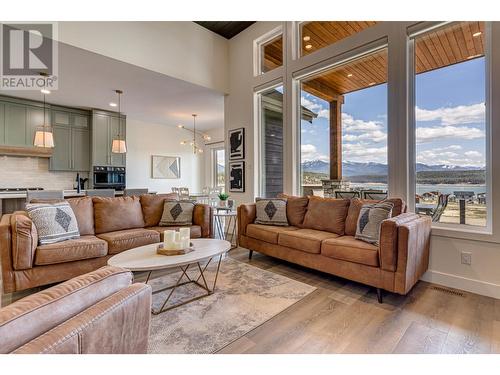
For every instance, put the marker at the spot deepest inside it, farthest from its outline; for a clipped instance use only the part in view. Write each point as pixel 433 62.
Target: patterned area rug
pixel 245 297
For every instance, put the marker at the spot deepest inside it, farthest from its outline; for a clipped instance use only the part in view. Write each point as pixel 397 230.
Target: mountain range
pixel 350 168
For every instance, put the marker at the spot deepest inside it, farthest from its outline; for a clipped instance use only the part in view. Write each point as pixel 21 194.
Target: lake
pixel 442 188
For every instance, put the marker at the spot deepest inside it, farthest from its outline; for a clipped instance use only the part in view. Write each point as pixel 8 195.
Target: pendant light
pixel 196 148
pixel 119 145
pixel 44 137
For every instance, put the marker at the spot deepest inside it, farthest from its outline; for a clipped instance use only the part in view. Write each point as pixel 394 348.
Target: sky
pixel 450 115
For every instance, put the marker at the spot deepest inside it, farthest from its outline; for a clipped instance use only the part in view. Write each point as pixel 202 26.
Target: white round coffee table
pixel 145 258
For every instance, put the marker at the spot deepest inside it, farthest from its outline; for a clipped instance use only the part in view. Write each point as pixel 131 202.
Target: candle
pixel 168 238
pixel 185 236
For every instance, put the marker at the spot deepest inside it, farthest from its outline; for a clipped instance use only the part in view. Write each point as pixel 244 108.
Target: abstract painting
pixel 237 144
pixel 165 166
pixel 237 176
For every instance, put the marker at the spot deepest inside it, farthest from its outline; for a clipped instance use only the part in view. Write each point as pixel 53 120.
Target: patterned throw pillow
pixel 54 222
pixel 370 219
pixel 271 211
pixel 177 213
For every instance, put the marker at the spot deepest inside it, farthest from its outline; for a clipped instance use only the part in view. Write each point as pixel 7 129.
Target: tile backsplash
pixel 16 171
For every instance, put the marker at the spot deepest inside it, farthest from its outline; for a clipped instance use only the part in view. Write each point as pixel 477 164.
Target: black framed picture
pixel 237 144
pixel 237 176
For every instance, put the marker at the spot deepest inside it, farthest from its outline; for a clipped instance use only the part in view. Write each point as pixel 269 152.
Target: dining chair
pixel 135 192
pixel 101 193
pixel 377 195
pixel 346 194
pixel 44 194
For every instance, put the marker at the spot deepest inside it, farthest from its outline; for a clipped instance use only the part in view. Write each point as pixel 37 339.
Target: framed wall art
pixel 237 144
pixel 165 166
pixel 237 176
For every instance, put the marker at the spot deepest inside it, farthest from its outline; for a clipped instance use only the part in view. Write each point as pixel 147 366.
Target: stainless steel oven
pixel 109 177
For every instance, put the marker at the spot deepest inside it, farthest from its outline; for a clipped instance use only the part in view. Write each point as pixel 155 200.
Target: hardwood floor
pixel 344 317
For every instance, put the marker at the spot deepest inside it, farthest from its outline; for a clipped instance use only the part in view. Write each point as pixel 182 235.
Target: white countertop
pixel 67 194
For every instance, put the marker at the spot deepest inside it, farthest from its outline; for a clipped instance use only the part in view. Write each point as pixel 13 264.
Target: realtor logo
pixel 28 49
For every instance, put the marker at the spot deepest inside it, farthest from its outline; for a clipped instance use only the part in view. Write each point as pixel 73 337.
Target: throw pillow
pixel 271 211
pixel 54 222
pixel 326 214
pixel 296 208
pixel 177 213
pixel 370 219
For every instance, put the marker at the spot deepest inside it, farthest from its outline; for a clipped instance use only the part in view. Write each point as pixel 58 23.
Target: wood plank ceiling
pixel 450 44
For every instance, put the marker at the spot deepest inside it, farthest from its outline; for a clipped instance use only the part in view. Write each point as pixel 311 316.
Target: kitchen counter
pixel 67 194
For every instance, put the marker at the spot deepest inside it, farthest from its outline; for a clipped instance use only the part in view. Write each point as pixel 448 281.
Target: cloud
pixel 451 155
pixel 447 132
pixel 350 124
pixel 309 152
pixel 362 153
pixel 375 136
pixel 459 115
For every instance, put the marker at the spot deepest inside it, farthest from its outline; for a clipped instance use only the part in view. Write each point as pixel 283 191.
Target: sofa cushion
pixel 122 240
pixel 350 249
pixel 85 247
pixel 271 211
pixel 370 220
pixel 54 222
pixel 308 240
pixel 266 233
pixel 326 214
pixel 177 213
pixel 84 213
pixel 195 230
pixel 296 208
pixel 119 213
pixel 152 207
pixel 352 216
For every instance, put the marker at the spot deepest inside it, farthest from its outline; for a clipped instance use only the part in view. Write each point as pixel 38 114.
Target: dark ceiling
pixel 227 29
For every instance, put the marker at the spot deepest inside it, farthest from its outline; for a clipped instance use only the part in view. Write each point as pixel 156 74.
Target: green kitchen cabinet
pixel 61 156
pixel 105 127
pixel 80 147
pixel 34 119
pixel 15 124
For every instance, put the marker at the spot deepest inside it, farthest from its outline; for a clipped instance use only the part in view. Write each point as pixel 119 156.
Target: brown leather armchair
pixel 100 312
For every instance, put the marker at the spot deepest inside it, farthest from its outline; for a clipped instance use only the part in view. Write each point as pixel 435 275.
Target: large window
pixel 450 123
pixel 271 53
pixel 343 127
pixel 219 163
pixel 271 130
pixel 318 34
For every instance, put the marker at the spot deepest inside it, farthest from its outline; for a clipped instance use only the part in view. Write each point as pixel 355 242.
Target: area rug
pixel 245 298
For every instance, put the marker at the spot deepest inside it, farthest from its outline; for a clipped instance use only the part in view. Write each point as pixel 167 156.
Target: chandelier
pixel 196 134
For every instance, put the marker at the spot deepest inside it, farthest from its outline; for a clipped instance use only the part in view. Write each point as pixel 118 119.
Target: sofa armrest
pixel 388 255
pixel 246 215
pixel 119 324
pixel 32 316
pixel 414 239
pixel 203 216
pixel 24 240
pixel 8 282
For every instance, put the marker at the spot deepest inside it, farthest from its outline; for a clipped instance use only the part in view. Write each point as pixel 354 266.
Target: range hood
pixel 40 152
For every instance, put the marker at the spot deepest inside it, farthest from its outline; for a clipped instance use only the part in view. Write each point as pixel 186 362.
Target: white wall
pixel 483 275
pixel 146 139
pixel 182 50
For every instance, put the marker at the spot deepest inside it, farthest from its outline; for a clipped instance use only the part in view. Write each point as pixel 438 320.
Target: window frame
pixel 314 70
pixel 214 165
pixel 448 229
pixel 257 49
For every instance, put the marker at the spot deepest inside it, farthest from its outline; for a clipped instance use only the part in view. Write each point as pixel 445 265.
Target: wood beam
pixel 336 138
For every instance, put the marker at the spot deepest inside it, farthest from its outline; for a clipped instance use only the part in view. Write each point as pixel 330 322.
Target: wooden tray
pixel 160 250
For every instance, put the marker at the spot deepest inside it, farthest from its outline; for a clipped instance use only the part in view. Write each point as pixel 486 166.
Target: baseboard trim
pixel 458 282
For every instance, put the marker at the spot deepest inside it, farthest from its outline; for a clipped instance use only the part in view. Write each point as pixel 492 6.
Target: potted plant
pixel 223 197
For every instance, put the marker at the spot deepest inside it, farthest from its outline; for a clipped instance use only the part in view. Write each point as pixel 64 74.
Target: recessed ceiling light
pixel 474 56
pixel 371 83
pixel 45 91
pixel 309 46
pixel 307 38
pixel 113 104
pixel 349 75
pixel 477 34
pixel 180 126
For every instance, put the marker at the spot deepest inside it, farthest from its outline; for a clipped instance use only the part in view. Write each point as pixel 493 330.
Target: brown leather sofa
pixel 107 226
pixel 101 312
pixel 321 236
